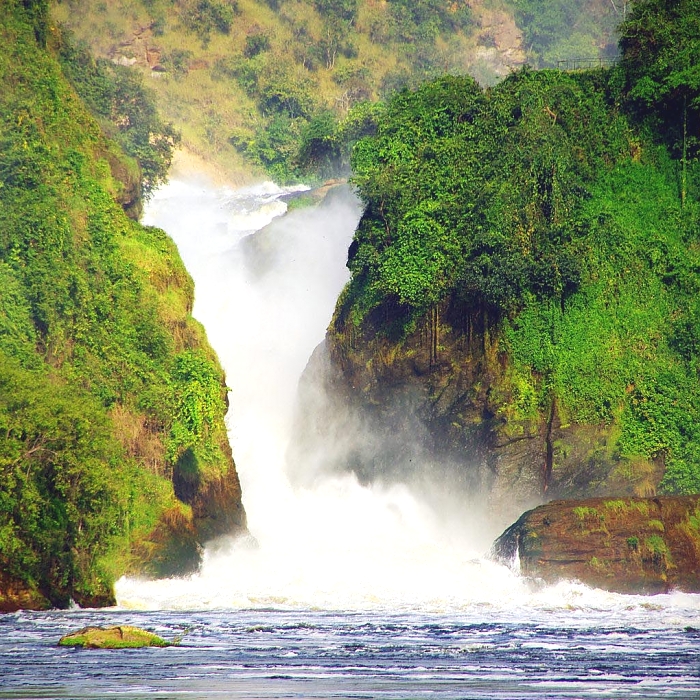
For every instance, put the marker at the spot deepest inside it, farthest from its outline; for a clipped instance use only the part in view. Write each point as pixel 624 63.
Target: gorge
pixel 518 323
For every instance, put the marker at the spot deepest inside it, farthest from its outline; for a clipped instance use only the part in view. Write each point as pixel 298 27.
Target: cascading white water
pixel 338 545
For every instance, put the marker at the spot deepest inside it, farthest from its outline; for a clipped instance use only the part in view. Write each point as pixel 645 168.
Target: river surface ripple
pixel 316 654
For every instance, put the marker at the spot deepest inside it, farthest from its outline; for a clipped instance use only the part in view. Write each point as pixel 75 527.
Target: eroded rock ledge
pixel 630 545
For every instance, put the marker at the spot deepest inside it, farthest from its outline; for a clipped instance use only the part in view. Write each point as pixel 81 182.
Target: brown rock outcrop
pixel 499 46
pixel 17 595
pixel 442 394
pixel 631 545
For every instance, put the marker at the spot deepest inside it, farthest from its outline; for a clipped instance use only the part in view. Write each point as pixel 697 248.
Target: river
pixel 343 590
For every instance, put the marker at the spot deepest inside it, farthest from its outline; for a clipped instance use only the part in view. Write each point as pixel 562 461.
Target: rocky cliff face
pixel 634 545
pixel 442 400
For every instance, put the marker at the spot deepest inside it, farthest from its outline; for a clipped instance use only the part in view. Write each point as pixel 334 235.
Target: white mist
pixel 338 545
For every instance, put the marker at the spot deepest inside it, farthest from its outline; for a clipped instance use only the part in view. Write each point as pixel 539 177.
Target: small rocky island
pixel 629 545
pixel 116 637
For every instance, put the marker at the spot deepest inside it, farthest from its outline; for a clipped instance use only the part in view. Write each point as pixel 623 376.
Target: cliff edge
pixel 114 455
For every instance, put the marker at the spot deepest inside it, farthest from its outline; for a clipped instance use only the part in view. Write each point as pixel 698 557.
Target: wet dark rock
pixel 437 391
pixel 625 545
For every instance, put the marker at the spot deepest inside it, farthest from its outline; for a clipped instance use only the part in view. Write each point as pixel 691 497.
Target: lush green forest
pixel 563 209
pixel 111 401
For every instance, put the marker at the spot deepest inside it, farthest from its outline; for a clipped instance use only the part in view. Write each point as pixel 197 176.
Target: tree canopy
pixel 660 47
pixel 474 192
pixel 563 209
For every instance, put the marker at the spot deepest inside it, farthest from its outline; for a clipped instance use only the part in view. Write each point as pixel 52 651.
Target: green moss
pixel 620 507
pixel 302 202
pixel 656 525
pixel 590 520
pixel 694 520
pixel 656 545
pixel 119 637
pixel 584 513
pixel 598 565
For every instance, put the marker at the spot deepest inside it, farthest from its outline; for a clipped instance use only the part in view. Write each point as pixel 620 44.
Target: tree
pixel 38 11
pixel 660 46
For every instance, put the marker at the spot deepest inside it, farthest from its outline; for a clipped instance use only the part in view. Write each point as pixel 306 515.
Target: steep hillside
pixel 245 81
pixel 523 302
pixel 570 30
pixel 114 454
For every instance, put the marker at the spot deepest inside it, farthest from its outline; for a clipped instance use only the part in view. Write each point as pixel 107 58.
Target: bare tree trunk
pixel 684 175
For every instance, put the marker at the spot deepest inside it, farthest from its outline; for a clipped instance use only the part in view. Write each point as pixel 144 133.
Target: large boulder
pixel 627 545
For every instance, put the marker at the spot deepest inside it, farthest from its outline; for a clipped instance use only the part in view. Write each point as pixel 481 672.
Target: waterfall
pixel 265 293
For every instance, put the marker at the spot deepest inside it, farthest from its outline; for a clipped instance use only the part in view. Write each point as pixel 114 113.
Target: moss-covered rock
pixel 117 637
pixel 627 545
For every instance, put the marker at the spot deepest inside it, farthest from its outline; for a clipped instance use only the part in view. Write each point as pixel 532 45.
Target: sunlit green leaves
pixel 660 46
pixel 474 193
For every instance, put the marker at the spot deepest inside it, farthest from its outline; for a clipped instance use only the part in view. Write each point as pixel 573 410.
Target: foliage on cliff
pixel 108 389
pixel 125 109
pixel 474 191
pixel 245 79
pixel 560 208
pixel 660 46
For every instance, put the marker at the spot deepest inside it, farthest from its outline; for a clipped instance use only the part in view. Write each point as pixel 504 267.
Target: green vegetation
pixel 571 29
pixel 598 565
pixel 584 512
pixel 126 110
pixel 244 79
pixel 661 60
pixel 560 211
pixel 694 520
pixel 206 16
pixel 250 82
pixel 107 386
pixel 433 225
pixel 590 520
pixel 656 545
pixel 620 507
